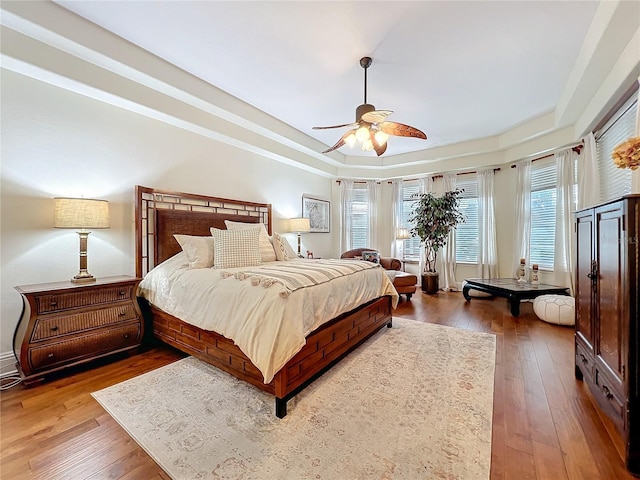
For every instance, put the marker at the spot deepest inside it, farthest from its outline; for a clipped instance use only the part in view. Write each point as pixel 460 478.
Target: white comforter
pixel 269 328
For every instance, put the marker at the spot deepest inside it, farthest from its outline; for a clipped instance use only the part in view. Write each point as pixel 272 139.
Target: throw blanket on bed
pixel 268 329
pixel 292 276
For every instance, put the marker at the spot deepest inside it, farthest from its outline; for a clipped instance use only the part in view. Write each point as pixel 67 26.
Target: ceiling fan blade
pixel 401 130
pixel 336 126
pixel 380 149
pixel 376 116
pixel 340 142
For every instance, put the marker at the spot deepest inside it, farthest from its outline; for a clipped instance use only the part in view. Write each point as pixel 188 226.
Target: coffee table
pixel 511 289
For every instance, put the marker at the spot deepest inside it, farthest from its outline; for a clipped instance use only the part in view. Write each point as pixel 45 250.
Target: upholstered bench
pixel 556 309
pixel 405 283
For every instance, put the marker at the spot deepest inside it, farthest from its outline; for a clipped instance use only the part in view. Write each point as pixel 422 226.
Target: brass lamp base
pixel 83 279
pixel 83 275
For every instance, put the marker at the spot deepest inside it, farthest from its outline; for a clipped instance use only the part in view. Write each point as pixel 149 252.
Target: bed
pixel 159 215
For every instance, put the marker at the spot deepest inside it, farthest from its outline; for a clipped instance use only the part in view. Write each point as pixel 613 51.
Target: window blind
pixel 411 246
pixel 359 210
pixel 614 181
pixel 467 232
pixel 543 215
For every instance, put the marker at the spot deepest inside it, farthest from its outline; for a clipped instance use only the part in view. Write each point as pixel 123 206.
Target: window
pixel 615 182
pixel 467 232
pixel 411 246
pixel 359 211
pixel 543 214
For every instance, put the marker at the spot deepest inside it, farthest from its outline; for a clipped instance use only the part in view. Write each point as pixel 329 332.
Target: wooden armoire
pixel 607 335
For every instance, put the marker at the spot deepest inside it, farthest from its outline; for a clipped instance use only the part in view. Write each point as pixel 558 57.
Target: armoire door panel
pixel 610 254
pixel 584 286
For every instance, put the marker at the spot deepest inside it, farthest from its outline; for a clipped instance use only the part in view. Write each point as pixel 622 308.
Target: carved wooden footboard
pixel 159 215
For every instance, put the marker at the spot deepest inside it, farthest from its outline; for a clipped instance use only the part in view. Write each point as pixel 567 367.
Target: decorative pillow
pixel 266 249
pixel 291 252
pixel 283 248
pixel 236 248
pixel 199 250
pixel 371 256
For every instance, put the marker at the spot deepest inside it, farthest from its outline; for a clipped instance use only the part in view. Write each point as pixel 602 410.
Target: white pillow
pixel 236 248
pixel 283 248
pixel 292 252
pixel 267 253
pixel 278 246
pixel 199 250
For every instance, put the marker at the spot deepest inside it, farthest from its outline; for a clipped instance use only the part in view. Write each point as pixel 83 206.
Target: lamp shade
pixel 80 213
pixel 402 234
pixel 299 225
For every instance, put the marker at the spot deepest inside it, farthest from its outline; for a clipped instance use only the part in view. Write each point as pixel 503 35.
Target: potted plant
pixel 432 218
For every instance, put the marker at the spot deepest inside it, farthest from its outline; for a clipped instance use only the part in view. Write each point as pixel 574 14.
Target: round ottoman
pixel 557 309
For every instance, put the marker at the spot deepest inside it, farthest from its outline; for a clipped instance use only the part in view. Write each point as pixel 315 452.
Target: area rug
pixel 413 402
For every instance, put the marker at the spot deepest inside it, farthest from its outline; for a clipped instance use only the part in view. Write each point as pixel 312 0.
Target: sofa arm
pixel 389 263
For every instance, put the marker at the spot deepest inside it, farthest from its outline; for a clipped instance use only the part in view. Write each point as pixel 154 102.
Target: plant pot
pixel 430 283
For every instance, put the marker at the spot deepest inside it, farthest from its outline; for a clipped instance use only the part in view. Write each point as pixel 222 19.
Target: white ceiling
pixel 458 70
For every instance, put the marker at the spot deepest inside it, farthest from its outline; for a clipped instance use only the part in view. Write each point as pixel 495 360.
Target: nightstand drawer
pixel 55 326
pixel 103 341
pixel 83 298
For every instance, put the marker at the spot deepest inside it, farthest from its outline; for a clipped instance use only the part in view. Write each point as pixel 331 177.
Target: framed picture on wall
pixel 318 212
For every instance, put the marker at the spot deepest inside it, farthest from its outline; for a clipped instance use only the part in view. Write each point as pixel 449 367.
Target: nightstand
pixel 65 324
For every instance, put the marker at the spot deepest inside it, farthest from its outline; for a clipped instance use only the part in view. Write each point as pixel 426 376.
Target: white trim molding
pixel 7 364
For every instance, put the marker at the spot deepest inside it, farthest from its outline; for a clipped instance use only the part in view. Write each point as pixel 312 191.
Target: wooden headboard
pixel 162 213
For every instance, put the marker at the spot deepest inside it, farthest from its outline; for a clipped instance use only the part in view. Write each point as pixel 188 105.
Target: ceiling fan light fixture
pixel 381 137
pixel 362 134
pixel 367 145
pixel 373 127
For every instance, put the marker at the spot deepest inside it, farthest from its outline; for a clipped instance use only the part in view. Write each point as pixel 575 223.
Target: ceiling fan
pixel 371 127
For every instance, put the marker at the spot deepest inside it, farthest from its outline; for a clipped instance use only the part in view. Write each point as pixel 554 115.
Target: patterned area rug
pixel 413 402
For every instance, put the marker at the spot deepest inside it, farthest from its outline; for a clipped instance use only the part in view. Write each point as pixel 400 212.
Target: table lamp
pixel 82 214
pixel 298 226
pixel 402 234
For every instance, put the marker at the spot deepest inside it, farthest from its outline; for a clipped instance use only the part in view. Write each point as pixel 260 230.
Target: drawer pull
pixel 54 303
pixel 121 293
pixel 54 328
pixel 50 355
pixel 607 392
pixel 122 314
pixel 584 359
pixel 126 335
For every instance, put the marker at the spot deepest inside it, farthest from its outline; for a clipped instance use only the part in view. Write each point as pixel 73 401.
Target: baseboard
pixel 7 364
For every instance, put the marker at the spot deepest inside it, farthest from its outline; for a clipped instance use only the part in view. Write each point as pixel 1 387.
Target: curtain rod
pixel 497 169
pixel 356 181
pixel 576 148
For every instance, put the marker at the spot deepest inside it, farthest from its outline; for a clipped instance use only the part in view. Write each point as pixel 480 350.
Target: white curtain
pixel 346 197
pixel 426 186
pixel 565 205
pixel 523 215
pixel 487 248
pixel 373 194
pixel 396 218
pixel 447 257
pixel 589 174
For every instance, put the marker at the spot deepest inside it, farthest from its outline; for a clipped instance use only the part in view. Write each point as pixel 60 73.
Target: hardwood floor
pixel 544 423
